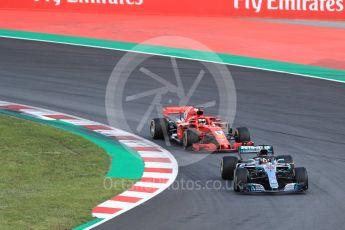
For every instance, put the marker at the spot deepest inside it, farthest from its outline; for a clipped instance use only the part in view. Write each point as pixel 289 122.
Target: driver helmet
pixel 202 121
pixel 264 160
pixel 263 152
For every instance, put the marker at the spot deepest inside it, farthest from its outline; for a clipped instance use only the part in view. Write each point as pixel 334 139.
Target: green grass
pixel 49 179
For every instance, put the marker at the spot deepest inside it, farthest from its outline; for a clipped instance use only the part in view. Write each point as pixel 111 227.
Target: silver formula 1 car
pixel 256 169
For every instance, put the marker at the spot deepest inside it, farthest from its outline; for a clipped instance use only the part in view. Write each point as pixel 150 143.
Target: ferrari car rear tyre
pixel 242 135
pixel 301 177
pixel 190 137
pixel 227 167
pixel 240 179
pixel 157 127
pixel 287 158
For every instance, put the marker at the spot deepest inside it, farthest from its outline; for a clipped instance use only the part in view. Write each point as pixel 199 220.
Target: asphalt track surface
pixel 300 116
pixel 329 24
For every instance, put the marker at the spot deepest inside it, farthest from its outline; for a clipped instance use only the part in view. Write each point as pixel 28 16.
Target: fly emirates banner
pixel 303 9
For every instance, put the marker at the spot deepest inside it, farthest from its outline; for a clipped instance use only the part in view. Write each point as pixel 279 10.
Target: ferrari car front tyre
pixel 157 127
pixel 227 167
pixel 242 135
pixel 190 137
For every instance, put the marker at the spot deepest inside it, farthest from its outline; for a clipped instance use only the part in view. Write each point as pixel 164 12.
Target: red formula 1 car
pixel 189 126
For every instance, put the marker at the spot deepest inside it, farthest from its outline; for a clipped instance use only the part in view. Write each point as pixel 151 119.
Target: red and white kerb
pixel 160 166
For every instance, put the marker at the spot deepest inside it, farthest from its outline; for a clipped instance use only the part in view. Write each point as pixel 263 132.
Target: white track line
pixel 173 56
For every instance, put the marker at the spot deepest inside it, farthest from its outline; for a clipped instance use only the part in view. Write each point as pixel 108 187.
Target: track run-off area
pixel 300 116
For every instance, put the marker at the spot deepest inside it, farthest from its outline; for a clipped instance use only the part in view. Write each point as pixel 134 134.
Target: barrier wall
pixel 304 9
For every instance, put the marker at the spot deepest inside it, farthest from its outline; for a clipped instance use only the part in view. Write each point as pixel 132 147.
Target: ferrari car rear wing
pixel 175 110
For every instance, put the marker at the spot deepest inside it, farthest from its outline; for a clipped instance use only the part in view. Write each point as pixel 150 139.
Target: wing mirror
pixel 280 161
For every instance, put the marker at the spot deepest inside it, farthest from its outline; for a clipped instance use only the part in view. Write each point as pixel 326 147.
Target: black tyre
pixel 242 135
pixel 240 179
pixel 227 167
pixel 287 158
pixel 301 177
pixel 158 127
pixel 190 137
